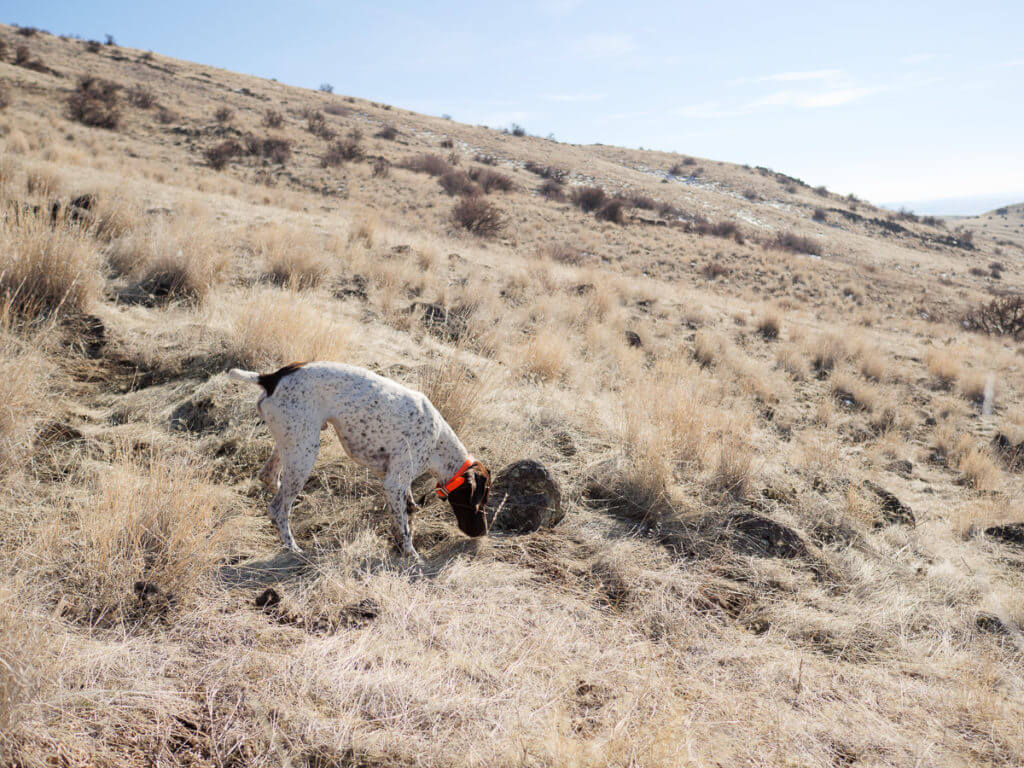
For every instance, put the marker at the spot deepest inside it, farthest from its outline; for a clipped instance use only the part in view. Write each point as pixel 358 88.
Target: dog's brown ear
pixel 480 480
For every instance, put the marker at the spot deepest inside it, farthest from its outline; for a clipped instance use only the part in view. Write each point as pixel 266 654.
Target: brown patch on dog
pixel 269 381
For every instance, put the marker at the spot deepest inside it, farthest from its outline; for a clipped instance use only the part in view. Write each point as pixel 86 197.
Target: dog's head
pixel 469 500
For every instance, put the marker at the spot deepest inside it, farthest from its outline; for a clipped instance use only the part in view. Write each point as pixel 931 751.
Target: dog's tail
pixel 251 376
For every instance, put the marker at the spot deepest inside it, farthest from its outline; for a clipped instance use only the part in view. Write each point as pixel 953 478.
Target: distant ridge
pixel 972 205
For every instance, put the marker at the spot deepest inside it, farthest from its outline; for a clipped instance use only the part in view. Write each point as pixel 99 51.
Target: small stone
pixel 894 511
pixel 1009 533
pixel 763 537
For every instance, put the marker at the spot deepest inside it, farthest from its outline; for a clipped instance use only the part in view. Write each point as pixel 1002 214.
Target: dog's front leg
pixel 399 498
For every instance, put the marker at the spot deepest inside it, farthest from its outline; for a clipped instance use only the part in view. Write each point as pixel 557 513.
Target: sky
pixel 896 102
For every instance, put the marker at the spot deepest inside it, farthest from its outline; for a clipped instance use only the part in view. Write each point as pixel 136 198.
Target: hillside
pixel 791 473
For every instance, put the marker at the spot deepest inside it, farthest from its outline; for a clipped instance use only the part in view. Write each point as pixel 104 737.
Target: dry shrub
pixel 381 168
pixel 588 198
pixel 46 268
pixel 490 180
pixel 1003 316
pixel 165 116
pixel 726 228
pixel 290 258
pixel 456 182
pixel 43 182
pixel 342 151
pixel 140 96
pixel 549 172
pixel 220 155
pixel 794 243
pixel 316 124
pixel 477 215
pixel 273 119
pixel 95 103
pixel 5 96
pixel 388 132
pixel 274 327
pixel 563 253
pixel 224 115
pixel 611 210
pixel 433 165
pixel 154 519
pixel 944 365
pixel 819 215
pixel 274 149
pixel 552 190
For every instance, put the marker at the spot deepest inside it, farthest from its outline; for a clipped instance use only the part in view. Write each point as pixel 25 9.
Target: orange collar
pixel 457 479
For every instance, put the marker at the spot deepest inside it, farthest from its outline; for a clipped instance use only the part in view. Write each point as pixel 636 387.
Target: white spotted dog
pixel 393 431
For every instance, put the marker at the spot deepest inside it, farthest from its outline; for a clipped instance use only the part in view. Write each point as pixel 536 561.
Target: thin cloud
pixel 918 58
pixel 573 98
pixel 800 99
pixel 814 99
pixel 598 46
pixel 788 77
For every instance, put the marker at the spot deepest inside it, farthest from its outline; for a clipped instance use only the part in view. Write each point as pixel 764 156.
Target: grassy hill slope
pixel 741 382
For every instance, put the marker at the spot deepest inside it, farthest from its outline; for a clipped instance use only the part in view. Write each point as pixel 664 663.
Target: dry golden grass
pixel 642 630
pixel 944 365
pixel 176 259
pixel 291 258
pixel 44 268
pixel 270 328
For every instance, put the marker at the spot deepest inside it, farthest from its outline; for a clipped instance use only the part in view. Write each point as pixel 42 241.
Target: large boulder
pixel 525 496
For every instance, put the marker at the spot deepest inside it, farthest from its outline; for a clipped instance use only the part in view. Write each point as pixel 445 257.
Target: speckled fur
pixel 392 430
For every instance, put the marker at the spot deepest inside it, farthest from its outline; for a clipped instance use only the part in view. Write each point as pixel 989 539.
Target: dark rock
pixel 992 624
pixel 55 433
pixel 633 339
pixel 902 467
pixel 1009 533
pixel 760 536
pixel 145 589
pixel 1011 453
pixel 525 497
pixel 894 511
pixel 194 415
pixel 267 599
pixel 439 320
pixel 353 287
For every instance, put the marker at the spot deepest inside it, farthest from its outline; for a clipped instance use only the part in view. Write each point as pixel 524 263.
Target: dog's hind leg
pixel 297 462
pixel 270 475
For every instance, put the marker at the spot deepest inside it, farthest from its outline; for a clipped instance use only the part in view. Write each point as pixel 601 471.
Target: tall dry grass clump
pixel 174 259
pixel 148 518
pixel 273 327
pixel 46 269
pixel 459 390
pixel 944 365
pixel 291 257
pixel 22 386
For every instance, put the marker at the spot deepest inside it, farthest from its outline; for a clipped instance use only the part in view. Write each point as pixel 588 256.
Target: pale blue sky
pixel 893 101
